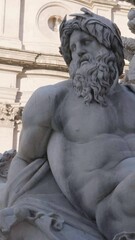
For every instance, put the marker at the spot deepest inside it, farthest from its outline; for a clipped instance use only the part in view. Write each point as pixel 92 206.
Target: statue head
pixel 97 66
pixel 105 31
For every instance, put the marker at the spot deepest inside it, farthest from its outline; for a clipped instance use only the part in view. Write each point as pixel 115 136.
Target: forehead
pixel 79 35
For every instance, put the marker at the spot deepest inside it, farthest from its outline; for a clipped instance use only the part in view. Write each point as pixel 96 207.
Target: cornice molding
pixel 88 2
pixel 113 3
pixel 32 60
pixel 109 2
pixel 84 2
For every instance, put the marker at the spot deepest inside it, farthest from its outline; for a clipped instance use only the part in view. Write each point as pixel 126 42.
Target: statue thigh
pixel 26 231
pixel 116 213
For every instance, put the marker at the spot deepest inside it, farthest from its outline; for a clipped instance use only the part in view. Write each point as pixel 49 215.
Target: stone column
pixel 16 137
pixel 8 104
pixel 10 126
pixel 9 23
pixel 8 79
pixel 6 135
pixel 103 7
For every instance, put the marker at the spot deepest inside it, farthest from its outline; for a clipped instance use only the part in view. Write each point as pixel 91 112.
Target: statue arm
pixel 36 130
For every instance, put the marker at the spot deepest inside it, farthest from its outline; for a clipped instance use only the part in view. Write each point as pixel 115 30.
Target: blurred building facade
pixel 29 52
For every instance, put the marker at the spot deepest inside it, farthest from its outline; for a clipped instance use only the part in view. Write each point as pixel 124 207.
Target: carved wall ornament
pixel 48 21
pixel 11 113
pixel 54 22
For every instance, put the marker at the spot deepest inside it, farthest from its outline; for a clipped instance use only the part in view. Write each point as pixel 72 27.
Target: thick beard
pixel 93 79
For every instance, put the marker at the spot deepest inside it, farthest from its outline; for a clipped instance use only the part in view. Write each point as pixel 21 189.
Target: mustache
pixel 74 66
pixel 85 58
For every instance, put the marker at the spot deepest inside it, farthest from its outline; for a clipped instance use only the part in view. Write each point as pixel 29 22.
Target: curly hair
pixel 105 31
pixel 94 80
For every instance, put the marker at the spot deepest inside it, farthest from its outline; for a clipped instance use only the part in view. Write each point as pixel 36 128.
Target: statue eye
pixel 73 47
pixel 86 41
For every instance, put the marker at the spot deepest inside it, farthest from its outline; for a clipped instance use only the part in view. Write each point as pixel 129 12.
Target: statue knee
pixel 123 196
pixel 109 213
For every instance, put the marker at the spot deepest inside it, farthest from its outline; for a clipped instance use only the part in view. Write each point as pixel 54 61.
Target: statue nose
pixel 81 53
pixel 80 50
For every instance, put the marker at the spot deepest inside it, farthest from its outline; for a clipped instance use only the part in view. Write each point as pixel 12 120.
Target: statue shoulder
pixel 41 105
pixel 52 90
pixel 47 95
pixel 130 87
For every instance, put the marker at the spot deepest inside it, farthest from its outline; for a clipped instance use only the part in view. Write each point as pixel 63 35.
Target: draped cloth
pixel 34 197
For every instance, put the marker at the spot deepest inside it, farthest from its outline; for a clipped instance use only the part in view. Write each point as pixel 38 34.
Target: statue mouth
pixel 85 59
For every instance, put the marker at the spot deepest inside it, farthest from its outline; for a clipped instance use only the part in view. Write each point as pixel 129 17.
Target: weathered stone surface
pixel 5 161
pixel 73 176
pixel 29 51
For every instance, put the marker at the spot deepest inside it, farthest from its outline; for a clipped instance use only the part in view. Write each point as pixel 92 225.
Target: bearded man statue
pixel 93 80
pixel 74 174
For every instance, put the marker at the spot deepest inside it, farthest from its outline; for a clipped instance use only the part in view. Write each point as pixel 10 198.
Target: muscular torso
pixel 92 148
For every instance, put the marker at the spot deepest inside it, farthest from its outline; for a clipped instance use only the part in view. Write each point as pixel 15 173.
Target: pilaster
pixel 10 119
pixel 9 24
pixel 8 89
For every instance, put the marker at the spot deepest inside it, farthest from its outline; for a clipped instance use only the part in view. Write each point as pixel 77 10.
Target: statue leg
pixel 124 236
pixel 116 213
pixel 26 231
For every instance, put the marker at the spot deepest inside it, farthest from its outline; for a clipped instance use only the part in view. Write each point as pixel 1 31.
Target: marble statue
pixel 74 174
pixel 5 161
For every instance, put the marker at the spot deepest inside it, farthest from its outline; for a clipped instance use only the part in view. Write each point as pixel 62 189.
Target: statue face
pixel 82 43
pixel 92 68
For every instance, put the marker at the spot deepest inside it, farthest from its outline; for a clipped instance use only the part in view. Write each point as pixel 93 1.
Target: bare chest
pixel 81 123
